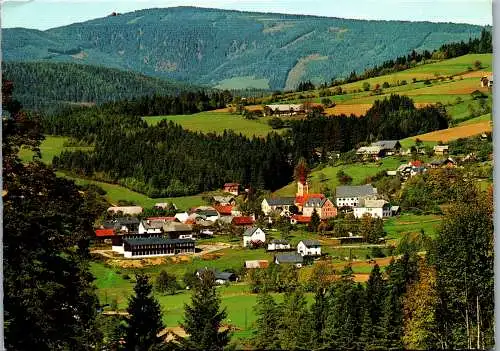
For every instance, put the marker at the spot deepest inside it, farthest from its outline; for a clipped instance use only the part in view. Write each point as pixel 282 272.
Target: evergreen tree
pixel 49 300
pixel 294 331
pixel 319 315
pixel 145 318
pixel 315 221
pixel 203 318
pixel 267 323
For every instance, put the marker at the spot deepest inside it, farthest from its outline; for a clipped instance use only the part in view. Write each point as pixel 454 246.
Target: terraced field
pixel 462 131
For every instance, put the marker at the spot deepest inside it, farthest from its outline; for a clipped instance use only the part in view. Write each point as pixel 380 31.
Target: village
pixel 130 235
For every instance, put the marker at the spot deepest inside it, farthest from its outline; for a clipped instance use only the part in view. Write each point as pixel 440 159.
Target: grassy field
pixel 50 147
pixel 114 193
pixel 409 223
pixel 483 118
pixel 216 122
pixel 327 176
pixel 462 131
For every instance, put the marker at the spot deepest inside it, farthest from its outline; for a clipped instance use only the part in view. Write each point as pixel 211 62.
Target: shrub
pixel 126 276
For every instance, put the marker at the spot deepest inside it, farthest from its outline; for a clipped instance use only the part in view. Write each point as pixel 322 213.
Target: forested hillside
pixel 231 48
pixel 48 84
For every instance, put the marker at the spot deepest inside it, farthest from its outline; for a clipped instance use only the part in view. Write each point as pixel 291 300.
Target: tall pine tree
pixel 267 323
pixel 145 318
pixel 203 318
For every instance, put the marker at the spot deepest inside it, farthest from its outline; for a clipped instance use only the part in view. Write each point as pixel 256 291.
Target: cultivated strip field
pixel 463 131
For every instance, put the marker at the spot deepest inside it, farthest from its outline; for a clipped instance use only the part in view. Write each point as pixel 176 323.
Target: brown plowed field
pixel 456 132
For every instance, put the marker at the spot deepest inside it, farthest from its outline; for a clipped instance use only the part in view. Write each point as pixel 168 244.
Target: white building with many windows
pixel 375 208
pixel 350 196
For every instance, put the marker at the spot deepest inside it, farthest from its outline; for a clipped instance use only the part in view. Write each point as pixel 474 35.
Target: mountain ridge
pixel 200 45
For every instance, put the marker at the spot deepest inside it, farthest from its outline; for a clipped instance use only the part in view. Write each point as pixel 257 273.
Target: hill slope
pixel 44 84
pixel 231 48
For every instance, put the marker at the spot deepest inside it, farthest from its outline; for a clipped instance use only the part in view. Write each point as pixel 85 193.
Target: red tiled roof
pixel 301 219
pixel 166 219
pixel 242 220
pixel 416 163
pixel 224 209
pixel 302 199
pixel 104 232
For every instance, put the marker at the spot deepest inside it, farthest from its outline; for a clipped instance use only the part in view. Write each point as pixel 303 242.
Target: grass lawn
pixel 327 176
pixel 409 223
pixel 50 147
pixel 114 193
pixel 486 117
pixel 216 122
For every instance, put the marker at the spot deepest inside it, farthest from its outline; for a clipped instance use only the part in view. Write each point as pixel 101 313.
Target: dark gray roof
pixel 217 274
pixel 354 190
pixel 309 242
pixel 315 202
pixel 155 241
pixel 279 241
pixel 125 221
pixel 250 231
pixel 289 258
pixel 387 144
pixel 281 201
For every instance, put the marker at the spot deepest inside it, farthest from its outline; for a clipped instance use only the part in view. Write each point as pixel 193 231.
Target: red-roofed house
pixel 242 221
pixel 416 163
pixel 224 210
pixel 232 188
pixel 301 200
pixel 104 235
pixel 299 219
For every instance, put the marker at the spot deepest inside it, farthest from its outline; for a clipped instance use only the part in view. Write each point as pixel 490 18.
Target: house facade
pixel 324 207
pixel 253 234
pixel 156 247
pixel 278 245
pixel 441 150
pixel 349 196
pixel 232 188
pixel 175 230
pixel 283 110
pixel 375 208
pixel 309 248
pixel 380 149
pixel 151 227
pixel 281 204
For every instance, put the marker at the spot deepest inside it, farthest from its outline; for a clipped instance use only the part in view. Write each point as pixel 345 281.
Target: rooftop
pixel 250 231
pixel 289 258
pixel 281 201
pixel 155 241
pixel 315 202
pixel 355 190
pixel 310 242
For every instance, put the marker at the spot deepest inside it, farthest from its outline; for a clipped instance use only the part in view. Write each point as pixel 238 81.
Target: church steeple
pixel 302 187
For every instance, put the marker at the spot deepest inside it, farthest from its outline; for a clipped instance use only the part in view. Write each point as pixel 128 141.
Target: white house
pixel 375 208
pixel 151 227
pixel 277 245
pixel 253 234
pixel 207 212
pixel 182 217
pixel 309 248
pixel 350 196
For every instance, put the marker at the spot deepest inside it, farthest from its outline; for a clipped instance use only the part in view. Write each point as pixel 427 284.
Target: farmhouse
pixel 155 247
pixel 175 230
pixel 244 221
pixel 123 225
pixel 295 259
pixel 224 210
pixel 164 205
pixel 348 195
pixel 207 212
pixel 220 277
pixel 446 163
pixel 351 239
pixel 277 245
pixel 409 169
pixel 323 206
pixel 375 208
pixel 182 217
pixel 232 188
pixel 126 210
pixel 487 81
pixel 253 235
pixel 104 235
pixel 299 219
pixel 309 248
pixel 252 264
pixel 283 110
pixel 151 227
pixel 441 150
pixel 281 204
pixel 380 149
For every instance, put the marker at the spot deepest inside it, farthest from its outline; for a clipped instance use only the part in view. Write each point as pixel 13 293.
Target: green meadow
pixel 216 122
pixel 50 147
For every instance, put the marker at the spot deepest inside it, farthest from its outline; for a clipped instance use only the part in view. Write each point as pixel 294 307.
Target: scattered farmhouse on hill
pixel 299 219
pixel 349 195
pixel 122 225
pixel 176 230
pixel 309 248
pixel 242 221
pixel 151 227
pixel 223 200
pixel 441 150
pixel 232 188
pixel 292 258
pixel 446 163
pixel 220 277
pixel 252 264
pixel 487 81
pixel 281 204
pixel 379 149
pixel 283 110
pixel 253 235
pixel 323 206
pixel 375 208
